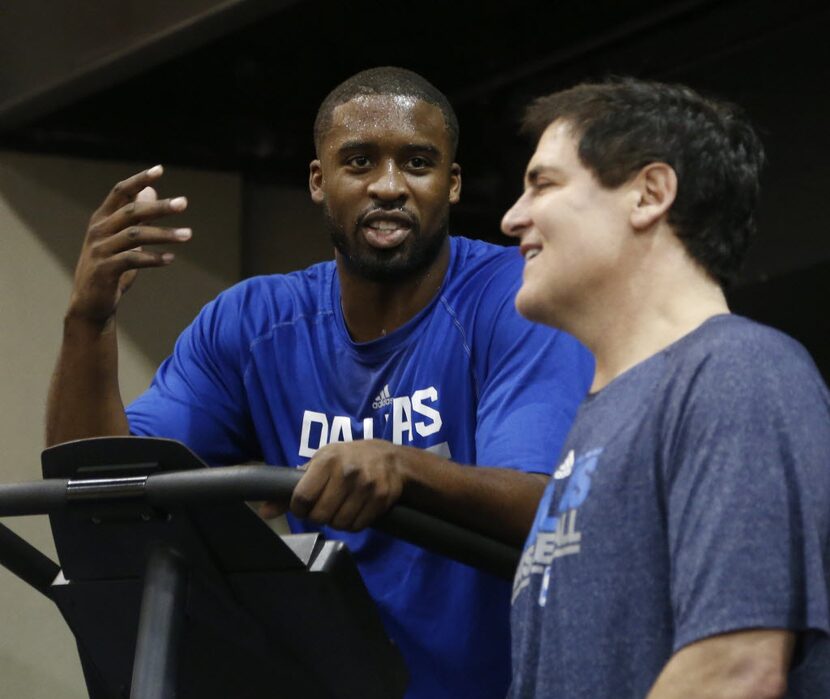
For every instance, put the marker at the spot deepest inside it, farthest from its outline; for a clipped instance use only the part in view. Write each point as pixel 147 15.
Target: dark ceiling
pixel 240 93
pixel 246 101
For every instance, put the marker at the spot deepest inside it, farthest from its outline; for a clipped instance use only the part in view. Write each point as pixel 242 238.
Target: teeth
pixel 385 225
pixel 530 254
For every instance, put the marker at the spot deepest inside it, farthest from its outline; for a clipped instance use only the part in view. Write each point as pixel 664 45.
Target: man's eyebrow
pixel 536 171
pixel 355 145
pixel 428 148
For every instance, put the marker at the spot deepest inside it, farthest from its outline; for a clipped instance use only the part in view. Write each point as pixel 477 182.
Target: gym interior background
pixel 224 92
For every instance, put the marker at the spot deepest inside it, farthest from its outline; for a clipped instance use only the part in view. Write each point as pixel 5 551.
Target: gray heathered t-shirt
pixel 692 499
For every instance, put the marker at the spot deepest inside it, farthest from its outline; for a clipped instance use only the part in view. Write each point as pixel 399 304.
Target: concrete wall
pixel 283 230
pixel 45 203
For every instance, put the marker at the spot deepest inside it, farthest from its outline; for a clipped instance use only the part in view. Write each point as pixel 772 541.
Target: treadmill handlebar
pixel 33 498
pixel 238 483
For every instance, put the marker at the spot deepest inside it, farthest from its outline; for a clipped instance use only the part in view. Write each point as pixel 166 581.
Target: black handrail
pixel 237 483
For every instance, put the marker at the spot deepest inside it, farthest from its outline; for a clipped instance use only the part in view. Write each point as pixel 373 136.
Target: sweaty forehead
pixel 386 117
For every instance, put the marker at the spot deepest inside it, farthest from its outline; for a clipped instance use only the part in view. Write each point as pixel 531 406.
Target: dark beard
pixel 393 265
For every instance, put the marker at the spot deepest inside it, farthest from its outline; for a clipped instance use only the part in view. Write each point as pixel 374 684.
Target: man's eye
pixel 418 163
pixel 358 161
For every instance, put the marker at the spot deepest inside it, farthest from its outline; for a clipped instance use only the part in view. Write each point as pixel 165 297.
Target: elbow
pixel 774 686
pixel 749 664
pixel 760 680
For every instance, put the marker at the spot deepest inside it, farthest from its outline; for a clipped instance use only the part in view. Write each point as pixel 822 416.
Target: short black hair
pixel 386 80
pixel 623 124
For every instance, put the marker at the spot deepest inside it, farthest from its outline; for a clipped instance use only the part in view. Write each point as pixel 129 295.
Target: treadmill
pixel 174 588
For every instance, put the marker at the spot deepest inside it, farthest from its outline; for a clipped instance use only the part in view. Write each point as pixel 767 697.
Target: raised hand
pixel 113 250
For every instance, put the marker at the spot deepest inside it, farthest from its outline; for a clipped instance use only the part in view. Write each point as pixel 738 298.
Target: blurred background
pixel 224 92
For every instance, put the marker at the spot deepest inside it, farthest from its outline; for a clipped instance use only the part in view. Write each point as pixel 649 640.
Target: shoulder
pixel 741 334
pixel 481 263
pixel 481 298
pixel 482 280
pixel 481 283
pixel 256 304
pixel 253 307
pixel 734 380
pixel 734 351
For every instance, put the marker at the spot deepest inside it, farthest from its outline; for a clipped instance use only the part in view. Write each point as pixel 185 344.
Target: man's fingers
pixel 384 494
pixel 308 490
pixel 135 259
pixel 368 514
pixel 147 194
pixel 126 191
pixel 342 495
pixel 329 504
pixel 136 213
pixel 350 511
pixel 136 236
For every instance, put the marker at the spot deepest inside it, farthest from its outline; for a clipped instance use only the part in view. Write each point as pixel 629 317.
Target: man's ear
pixel 455 183
pixel 656 185
pixel 315 182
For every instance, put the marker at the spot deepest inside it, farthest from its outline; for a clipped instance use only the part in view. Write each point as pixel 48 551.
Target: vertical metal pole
pixel 159 627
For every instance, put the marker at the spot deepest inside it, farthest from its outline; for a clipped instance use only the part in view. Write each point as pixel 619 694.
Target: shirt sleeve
pixel 748 486
pixel 197 395
pixel 532 379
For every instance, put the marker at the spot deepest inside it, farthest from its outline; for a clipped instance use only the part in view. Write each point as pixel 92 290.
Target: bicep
pixel 197 396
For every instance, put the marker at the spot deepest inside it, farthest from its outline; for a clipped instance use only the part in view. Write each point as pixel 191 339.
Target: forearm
pixel 743 665
pixel 348 485
pixel 84 397
pixel 500 502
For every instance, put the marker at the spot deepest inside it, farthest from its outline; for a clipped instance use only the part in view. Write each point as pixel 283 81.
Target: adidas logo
pixel 382 399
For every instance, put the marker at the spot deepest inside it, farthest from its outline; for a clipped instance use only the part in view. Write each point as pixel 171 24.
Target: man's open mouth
pixel 386 229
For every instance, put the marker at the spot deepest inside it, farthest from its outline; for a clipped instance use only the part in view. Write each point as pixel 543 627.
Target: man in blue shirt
pixel 682 547
pixel 398 372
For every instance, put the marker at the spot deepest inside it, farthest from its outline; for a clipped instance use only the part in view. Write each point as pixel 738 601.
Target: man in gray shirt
pixel 682 547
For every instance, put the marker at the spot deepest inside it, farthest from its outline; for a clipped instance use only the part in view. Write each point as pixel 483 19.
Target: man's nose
pixel 390 183
pixel 516 220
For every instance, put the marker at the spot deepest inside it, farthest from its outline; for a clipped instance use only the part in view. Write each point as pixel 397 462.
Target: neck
pixel 636 336
pixel 373 309
pixel 653 307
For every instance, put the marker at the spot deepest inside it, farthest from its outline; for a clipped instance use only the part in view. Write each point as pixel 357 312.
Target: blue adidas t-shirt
pixel 692 499
pixel 268 371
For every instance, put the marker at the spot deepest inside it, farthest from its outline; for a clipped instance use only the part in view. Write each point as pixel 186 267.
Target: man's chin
pixel 412 254
pixel 530 307
pixel 380 264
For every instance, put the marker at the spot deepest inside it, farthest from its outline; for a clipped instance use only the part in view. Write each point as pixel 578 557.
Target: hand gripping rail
pixel 149 539
pixel 238 483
